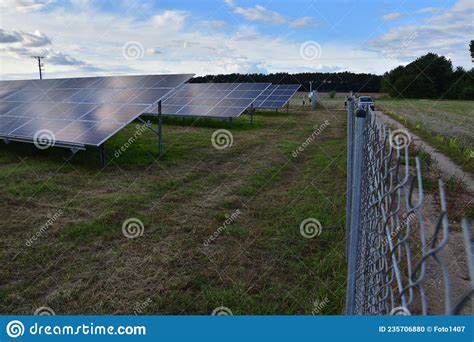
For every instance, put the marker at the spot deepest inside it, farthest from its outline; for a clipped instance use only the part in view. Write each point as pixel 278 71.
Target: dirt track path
pixel 444 164
pixel 453 254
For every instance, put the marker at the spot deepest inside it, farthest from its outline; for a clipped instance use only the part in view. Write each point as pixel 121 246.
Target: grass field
pixel 80 262
pixel 446 124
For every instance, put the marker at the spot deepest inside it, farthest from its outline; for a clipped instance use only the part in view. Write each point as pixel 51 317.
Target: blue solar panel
pixel 79 111
pixel 276 96
pixel 216 100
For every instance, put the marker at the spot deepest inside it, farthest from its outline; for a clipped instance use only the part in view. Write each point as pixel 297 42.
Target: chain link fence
pixel 399 259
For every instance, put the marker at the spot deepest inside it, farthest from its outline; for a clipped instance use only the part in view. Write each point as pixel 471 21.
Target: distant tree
pixel 332 94
pixel 429 76
pixel 471 48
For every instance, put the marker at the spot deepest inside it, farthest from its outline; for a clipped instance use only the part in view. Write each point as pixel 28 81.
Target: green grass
pixel 448 125
pixel 470 211
pixel 259 264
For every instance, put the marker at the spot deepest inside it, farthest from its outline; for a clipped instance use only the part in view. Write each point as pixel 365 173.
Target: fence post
pixel 350 151
pixel 358 162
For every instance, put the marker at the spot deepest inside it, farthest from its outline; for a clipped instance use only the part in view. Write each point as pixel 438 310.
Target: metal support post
pixel 102 154
pixel 251 114
pixel 160 131
pixel 314 100
pixel 359 140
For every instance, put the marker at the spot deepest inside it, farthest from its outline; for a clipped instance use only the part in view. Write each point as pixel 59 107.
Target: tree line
pixel 322 82
pixel 430 76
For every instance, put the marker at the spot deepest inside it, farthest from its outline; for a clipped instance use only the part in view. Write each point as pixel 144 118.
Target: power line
pixel 40 65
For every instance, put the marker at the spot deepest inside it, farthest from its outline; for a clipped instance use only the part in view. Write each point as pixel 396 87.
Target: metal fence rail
pixel 394 257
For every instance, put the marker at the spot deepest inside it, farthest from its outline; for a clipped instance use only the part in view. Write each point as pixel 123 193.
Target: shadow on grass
pixel 120 151
pixel 241 123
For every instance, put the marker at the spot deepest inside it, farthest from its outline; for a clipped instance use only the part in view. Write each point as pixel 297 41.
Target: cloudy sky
pixel 111 37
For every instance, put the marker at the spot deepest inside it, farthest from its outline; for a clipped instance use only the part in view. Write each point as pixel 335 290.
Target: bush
pixel 332 94
pixel 467 94
pixel 437 80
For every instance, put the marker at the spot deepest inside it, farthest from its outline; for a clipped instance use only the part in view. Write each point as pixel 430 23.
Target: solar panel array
pixel 79 111
pixel 276 96
pixel 213 100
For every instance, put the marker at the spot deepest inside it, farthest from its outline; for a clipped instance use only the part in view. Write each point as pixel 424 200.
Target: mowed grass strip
pixel 448 125
pixel 259 263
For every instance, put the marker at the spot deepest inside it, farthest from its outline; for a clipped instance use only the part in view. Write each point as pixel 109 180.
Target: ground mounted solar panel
pixel 78 112
pixel 276 96
pixel 211 100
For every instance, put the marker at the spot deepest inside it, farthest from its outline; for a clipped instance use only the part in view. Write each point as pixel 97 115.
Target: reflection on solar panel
pixel 79 111
pixel 213 100
pixel 276 96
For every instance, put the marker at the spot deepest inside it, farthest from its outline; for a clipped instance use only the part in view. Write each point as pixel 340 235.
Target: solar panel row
pixel 79 111
pixel 276 96
pixel 88 111
pixel 213 100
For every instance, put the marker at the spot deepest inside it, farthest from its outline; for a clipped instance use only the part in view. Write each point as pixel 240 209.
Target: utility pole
pixel 40 65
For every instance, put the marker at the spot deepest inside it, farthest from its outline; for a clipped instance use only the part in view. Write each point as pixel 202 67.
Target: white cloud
pixel 260 13
pixel 154 51
pixel 10 37
pixel 443 34
pixel 24 45
pixel 83 41
pixel 20 38
pixel 59 58
pixel 169 20
pixel 303 22
pixel 215 23
pixel 397 15
pixel 392 16
pixel 428 10
pixel 25 5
